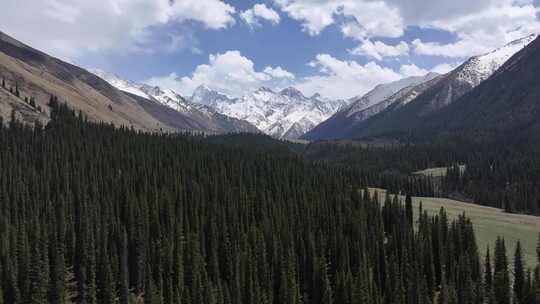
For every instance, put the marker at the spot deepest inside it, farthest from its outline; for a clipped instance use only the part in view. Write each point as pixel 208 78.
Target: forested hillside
pixel 94 214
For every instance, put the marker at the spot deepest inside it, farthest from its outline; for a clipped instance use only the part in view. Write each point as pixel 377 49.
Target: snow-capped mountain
pixel 164 96
pixel 206 96
pixel 429 93
pixel 383 92
pixel 369 105
pixel 201 116
pixel 471 73
pixel 480 68
pixel 285 114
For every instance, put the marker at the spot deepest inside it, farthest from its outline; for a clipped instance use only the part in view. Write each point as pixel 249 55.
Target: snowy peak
pixel 383 92
pixel 166 97
pixel 119 83
pixel 480 68
pixel 285 114
pixel 206 96
pixel 292 93
pixel 265 90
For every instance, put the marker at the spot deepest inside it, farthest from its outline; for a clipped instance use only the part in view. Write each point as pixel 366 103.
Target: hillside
pixel 507 105
pixel 39 75
pixel 404 119
pixel 341 124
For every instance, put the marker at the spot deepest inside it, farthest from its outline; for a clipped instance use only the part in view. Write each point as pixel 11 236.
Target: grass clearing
pixel 436 172
pixel 488 224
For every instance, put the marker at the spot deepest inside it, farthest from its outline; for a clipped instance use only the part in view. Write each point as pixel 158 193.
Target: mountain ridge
pixel 432 96
pixel 287 114
pixel 38 76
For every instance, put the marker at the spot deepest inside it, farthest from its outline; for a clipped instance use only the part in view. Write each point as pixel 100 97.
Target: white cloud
pixel 230 73
pixel 344 79
pixel 479 25
pixel 257 12
pixel 67 28
pixel 444 68
pixel 459 49
pixel 409 70
pixel 278 72
pixel 379 50
pixel 365 17
pixel 482 32
pixel 233 74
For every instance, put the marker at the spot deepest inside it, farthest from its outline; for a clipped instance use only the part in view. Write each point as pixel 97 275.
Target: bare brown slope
pixel 40 75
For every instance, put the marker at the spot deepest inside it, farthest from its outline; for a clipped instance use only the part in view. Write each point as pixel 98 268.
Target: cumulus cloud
pixel 482 32
pixel 233 74
pixel 344 79
pixel 253 15
pixel 230 73
pixel 81 26
pixel 444 68
pixel 365 17
pixel 479 25
pixel 459 49
pixel 378 50
pixel 409 70
pixel 278 72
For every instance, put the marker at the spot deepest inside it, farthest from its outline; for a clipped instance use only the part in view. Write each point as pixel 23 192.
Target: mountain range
pixel 491 93
pixel 400 112
pixel 286 114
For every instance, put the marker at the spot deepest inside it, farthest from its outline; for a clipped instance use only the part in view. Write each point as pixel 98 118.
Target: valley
pixel 181 171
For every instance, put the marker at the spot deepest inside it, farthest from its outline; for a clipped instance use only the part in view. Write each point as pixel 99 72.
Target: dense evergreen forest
pixel 503 174
pixel 94 214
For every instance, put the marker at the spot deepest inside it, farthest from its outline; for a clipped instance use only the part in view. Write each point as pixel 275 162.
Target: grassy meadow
pixel 488 224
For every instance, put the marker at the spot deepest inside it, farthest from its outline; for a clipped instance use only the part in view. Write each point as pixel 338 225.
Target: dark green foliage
pixel 501 277
pixel 93 214
pixel 409 209
pixel 488 278
pixel 519 275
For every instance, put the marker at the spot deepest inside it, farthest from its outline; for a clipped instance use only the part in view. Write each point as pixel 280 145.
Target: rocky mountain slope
pixel 207 116
pixel 506 106
pixel 399 115
pixel 372 103
pixel 38 76
pixel 285 114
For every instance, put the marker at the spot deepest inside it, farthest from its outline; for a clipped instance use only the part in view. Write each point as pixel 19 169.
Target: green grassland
pixel 436 172
pixel 488 224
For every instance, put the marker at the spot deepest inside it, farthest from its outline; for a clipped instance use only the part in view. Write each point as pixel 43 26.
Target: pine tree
pixel 501 279
pixel 38 274
pixel 519 275
pixel 409 209
pixel 538 249
pixel 488 278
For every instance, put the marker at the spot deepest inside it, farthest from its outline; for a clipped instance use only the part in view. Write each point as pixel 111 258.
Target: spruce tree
pixel 501 279
pixel 519 275
pixel 409 209
pixel 488 278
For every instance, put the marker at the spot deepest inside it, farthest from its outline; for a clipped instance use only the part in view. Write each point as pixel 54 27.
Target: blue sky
pixel 340 48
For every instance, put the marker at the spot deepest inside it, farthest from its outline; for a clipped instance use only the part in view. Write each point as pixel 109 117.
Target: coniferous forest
pixel 94 214
pixel 503 174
